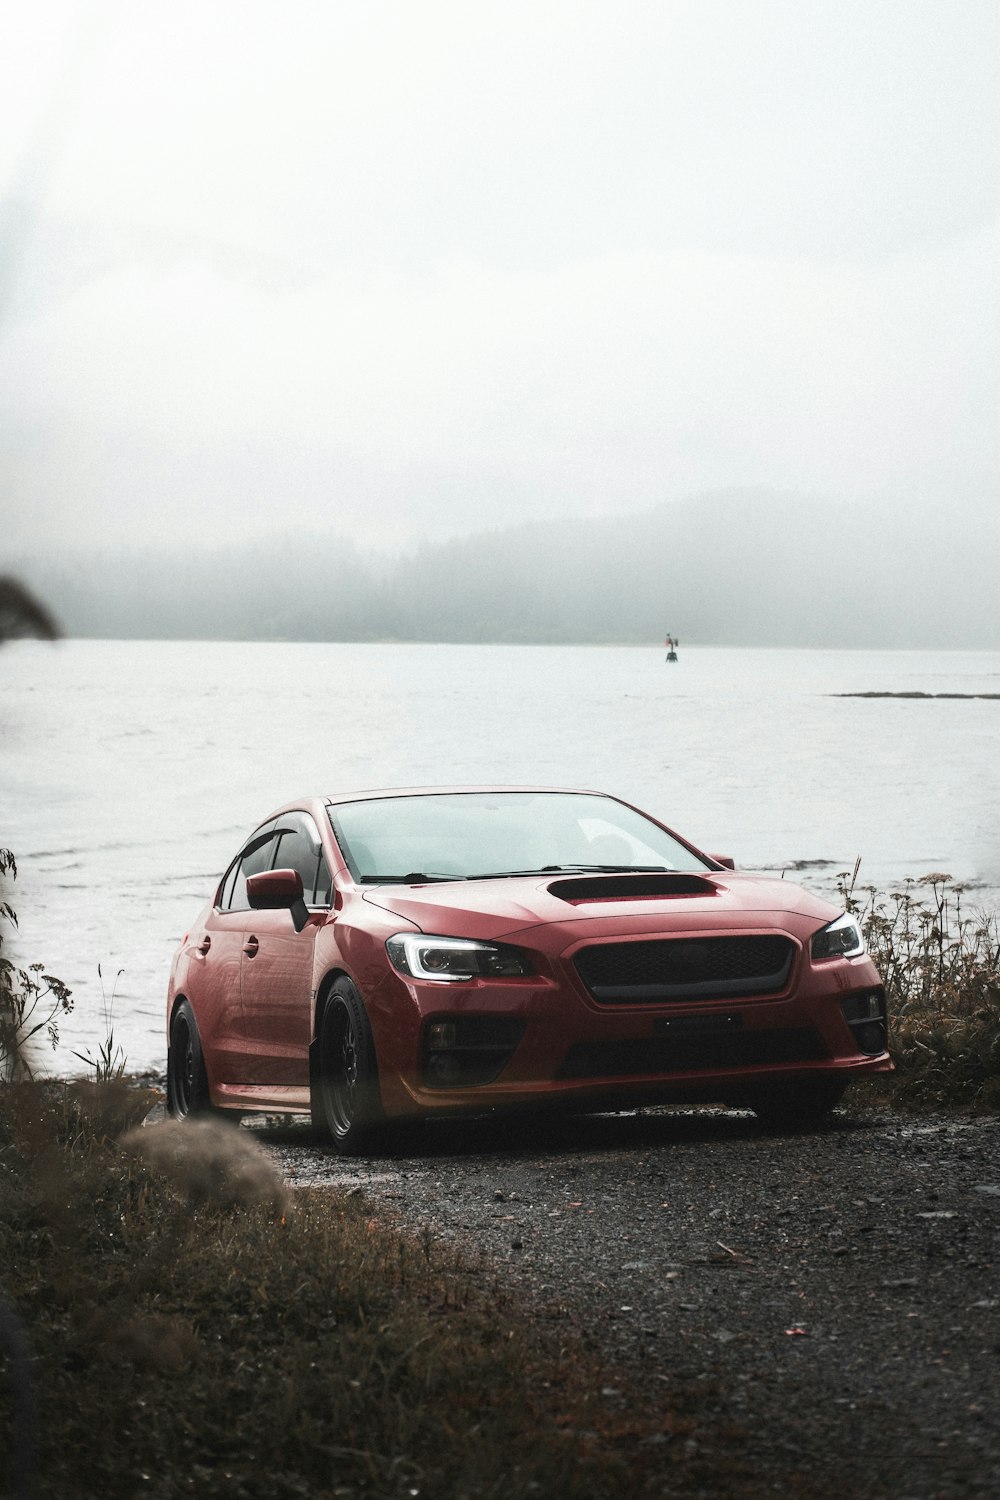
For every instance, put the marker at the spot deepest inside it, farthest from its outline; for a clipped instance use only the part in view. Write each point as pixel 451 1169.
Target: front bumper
pixel 544 1041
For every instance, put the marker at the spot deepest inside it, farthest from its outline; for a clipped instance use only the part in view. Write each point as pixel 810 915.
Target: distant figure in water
pixel 671 645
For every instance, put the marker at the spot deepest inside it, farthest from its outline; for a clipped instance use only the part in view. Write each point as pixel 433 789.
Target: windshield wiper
pixel 434 877
pixel 612 869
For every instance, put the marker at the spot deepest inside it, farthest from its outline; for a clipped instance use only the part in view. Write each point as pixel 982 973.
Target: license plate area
pixel 691 1025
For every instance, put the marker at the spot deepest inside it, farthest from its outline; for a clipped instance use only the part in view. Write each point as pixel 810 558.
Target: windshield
pixel 470 835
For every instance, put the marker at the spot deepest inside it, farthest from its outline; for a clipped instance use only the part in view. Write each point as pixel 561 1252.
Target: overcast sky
pixel 412 267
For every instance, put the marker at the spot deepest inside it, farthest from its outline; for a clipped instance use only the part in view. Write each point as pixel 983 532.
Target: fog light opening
pixel 466 1051
pixel 870 1037
pixel 865 1014
pixel 444 1069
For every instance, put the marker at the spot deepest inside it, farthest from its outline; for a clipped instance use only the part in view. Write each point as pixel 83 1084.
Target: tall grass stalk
pixel 110 1061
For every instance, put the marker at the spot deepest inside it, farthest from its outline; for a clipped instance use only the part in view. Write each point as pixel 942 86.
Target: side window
pixel 225 900
pixel 256 855
pixel 299 848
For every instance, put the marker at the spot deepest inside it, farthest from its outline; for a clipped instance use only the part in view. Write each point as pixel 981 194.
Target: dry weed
pixel 941 968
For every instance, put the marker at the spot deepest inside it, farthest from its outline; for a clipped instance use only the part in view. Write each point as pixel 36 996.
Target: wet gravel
pixel 827 1302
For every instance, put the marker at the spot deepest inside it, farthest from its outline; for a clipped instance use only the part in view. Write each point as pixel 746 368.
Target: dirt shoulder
pixel 826 1306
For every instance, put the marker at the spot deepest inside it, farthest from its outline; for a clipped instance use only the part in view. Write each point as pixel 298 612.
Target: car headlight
pixel 839 939
pixel 454 959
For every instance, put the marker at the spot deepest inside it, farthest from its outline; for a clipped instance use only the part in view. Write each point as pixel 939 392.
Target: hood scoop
pixel 641 887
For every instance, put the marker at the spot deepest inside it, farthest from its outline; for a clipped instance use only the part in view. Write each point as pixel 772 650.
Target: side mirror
pixel 277 890
pixel 725 860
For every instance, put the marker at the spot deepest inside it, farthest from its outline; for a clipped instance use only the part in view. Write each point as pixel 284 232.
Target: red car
pixel 415 953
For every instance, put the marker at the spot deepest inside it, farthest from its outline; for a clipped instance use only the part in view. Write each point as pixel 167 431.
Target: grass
pixel 197 1332
pixel 197 1329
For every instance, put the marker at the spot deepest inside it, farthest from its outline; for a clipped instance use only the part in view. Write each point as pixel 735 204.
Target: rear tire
pixel 346 1102
pixel 798 1106
pixel 187 1080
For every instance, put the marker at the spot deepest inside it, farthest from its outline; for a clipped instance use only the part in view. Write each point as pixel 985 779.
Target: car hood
pixel 502 907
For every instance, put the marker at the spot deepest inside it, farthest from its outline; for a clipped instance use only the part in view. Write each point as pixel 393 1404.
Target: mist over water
pixel 131 771
pixel 740 567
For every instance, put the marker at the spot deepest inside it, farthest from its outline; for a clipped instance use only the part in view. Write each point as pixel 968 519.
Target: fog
pixel 730 568
pixel 450 320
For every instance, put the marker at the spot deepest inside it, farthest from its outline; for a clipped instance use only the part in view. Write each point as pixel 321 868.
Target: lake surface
pixel 130 771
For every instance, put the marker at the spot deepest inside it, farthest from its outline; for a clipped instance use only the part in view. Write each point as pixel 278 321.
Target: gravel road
pixel 827 1303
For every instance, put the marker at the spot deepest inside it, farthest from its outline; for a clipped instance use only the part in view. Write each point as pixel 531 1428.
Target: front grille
pixel 649 1056
pixel 685 968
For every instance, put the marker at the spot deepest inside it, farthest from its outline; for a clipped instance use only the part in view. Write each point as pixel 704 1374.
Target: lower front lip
pixel 710 1086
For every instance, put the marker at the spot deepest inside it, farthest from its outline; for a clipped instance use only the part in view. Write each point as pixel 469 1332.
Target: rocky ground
pixel 825 1304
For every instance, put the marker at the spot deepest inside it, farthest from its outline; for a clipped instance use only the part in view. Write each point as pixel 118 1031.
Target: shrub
pixel 31 1001
pixel 941 969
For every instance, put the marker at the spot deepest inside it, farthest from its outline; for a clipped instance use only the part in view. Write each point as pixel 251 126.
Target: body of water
pixel 130 771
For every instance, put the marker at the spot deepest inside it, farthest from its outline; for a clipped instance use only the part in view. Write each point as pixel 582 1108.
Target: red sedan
pixel 413 953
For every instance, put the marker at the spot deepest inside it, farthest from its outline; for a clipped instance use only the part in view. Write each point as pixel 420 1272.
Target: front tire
pixel 346 1100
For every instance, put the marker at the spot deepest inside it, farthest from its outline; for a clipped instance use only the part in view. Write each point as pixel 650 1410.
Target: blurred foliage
pixel 21 614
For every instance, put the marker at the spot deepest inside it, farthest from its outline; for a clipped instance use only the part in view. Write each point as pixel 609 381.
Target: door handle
pixel 250 947
pixel 204 945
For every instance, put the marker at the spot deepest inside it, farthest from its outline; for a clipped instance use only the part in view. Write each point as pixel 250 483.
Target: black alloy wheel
pixel 187 1081
pixel 346 1102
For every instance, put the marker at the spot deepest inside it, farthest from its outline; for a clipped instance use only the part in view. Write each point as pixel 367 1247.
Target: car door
pixel 276 975
pixel 215 953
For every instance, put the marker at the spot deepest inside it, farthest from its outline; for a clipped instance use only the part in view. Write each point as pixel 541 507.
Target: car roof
pixel 453 791
pixel 315 804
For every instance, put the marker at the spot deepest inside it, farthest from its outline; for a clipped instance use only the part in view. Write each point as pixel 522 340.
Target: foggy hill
pixel 733 568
